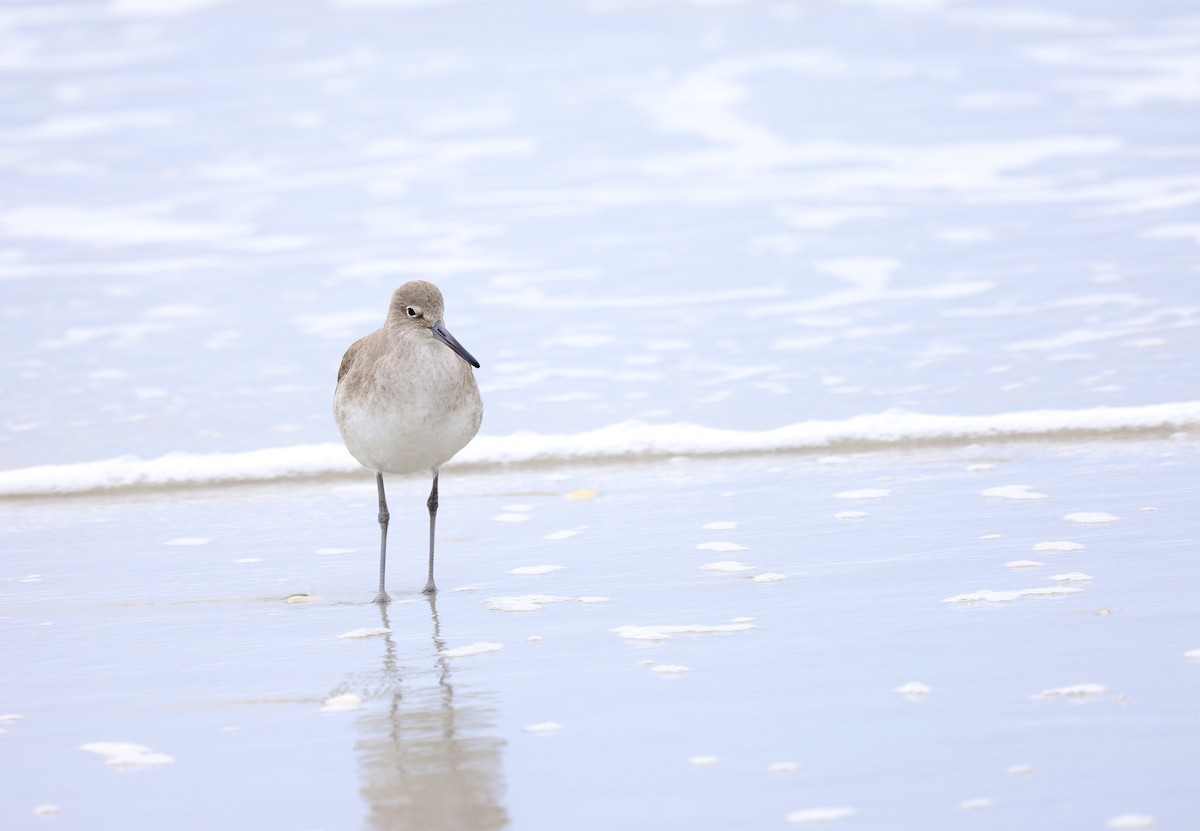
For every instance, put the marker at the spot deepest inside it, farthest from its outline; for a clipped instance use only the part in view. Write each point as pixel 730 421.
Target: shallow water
pixel 191 651
pixel 838 221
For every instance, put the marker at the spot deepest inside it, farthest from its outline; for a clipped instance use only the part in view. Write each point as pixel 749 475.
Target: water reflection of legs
pixel 429 759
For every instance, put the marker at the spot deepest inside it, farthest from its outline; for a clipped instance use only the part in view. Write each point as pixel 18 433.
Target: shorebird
pixel 406 401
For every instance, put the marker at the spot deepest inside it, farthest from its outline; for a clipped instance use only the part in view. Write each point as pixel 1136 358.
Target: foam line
pixel 629 440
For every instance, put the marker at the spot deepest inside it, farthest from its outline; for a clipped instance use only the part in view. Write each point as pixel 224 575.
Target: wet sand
pixel 159 619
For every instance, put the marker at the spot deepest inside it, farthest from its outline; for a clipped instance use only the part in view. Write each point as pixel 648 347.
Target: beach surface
pixel 690 643
pixel 842 412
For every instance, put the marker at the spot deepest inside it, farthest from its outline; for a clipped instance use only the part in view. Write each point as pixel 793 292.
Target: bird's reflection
pixel 430 759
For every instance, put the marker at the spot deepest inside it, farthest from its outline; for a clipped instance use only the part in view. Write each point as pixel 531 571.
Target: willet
pixel 406 403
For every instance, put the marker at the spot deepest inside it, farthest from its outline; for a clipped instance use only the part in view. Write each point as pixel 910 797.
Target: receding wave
pixel 629 440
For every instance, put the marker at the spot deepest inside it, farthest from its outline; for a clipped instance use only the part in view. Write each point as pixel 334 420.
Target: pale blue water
pixel 739 215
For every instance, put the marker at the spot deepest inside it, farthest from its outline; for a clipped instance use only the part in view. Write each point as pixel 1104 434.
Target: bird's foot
pixel 429 588
pixel 382 599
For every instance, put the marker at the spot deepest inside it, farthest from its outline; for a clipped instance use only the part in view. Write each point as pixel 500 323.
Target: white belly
pixel 410 421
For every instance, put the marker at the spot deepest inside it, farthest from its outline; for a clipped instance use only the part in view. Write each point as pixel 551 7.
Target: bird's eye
pixel 411 311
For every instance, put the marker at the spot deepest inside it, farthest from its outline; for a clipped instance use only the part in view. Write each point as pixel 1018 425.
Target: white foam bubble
pixel 596 599
pixel 662 633
pixel 10 718
pixel 768 577
pixel 863 493
pixel 510 517
pixel 669 669
pixel 704 761
pixel 1022 564
pixel 354 634
pixel 1076 692
pixel 1071 577
pixel 729 566
pixel 1132 822
pixel 46 810
pixel 480 648
pixel 719 526
pixel 1022 769
pixel 189 541
pixel 979 803
pixel 523 603
pixel 1014 492
pixel 561 535
pixel 126 755
pixel 1091 517
pixel 1192 655
pixel 544 728
pixel 850 515
pixel 720 546
pixel 1058 546
pixel 988 596
pixel 783 767
pixel 627 440
pixel 914 690
pixel 341 703
pixel 534 570
pixel 247 560
pixel 810 816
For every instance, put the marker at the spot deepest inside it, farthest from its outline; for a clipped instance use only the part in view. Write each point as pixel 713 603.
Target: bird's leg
pixel 384 516
pixel 432 504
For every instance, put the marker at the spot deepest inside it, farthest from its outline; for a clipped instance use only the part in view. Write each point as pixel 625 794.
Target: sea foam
pixel 628 440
